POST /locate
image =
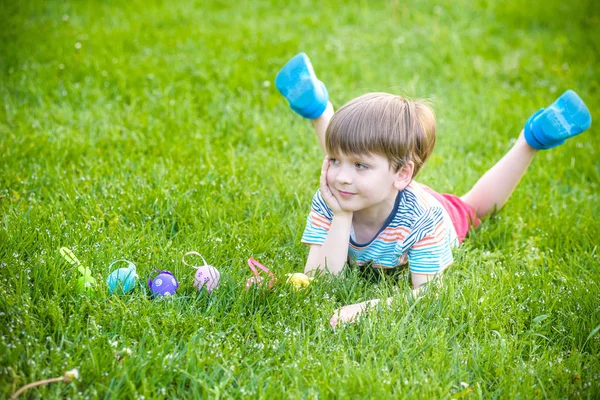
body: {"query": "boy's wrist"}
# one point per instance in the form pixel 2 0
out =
pixel 378 303
pixel 343 215
pixel 385 302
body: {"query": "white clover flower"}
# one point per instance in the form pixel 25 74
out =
pixel 71 375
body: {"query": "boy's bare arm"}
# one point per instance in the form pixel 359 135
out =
pixel 418 280
pixel 351 313
pixel 333 253
pixel 331 256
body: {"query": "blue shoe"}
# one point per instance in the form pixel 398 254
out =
pixel 298 83
pixel 568 116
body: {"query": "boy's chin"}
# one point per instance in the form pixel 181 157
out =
pixel 350 208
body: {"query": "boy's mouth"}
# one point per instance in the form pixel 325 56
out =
pixel 345 195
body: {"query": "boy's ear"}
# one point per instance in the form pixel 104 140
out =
pixel 404 175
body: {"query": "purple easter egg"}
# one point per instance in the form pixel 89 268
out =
pixel 163 284
pixel 207 277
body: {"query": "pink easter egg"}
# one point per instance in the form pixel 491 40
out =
pixel 255 280
pixel 259 281
pixel 207 277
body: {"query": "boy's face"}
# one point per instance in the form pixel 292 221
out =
pixel 360 182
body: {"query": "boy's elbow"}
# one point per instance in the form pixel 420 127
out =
pixel 312 271
pixel 312 264
pixel 309 271
pixel 311 268
pixel 318 263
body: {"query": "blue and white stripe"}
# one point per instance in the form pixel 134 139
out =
pixel 419 231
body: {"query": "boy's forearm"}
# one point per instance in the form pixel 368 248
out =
pixel 352 312
pixel 331 256
pixel 415 293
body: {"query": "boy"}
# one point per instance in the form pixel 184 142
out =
pixel 369 209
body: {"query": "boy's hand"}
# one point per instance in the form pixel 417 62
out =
pixel 350 313
pixel 326 193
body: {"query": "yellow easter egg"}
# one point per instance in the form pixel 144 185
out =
pixel 299 280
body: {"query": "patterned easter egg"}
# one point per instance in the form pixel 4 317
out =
pixel 207 277
pixel 259 281
pixel 255 280
pixel 163 284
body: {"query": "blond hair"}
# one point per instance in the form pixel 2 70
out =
pixel 399 129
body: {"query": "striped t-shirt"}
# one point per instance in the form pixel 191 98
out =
pixel 418 231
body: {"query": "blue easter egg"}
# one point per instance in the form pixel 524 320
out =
pixel 122 280
pixel 163 284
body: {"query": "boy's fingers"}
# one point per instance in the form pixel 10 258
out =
pixel 324 168
pixel 334 319
pixel 324 188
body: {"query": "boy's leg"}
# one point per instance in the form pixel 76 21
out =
pixel 307 95
pixel 568 116
pixel 494 188
pixel 320 124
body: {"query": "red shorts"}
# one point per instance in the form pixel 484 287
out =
pixel 462 215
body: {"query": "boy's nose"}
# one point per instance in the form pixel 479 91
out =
pixel 343 177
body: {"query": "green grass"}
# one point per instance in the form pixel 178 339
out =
pixel 143 130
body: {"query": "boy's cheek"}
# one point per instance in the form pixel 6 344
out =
pixel 330 177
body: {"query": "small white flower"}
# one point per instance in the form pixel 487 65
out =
pixel 71 375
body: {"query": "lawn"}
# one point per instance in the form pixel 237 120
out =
pixel 146 129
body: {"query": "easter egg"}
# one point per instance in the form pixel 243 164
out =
pixel 255 280
pixel 86 284
pixel 299 280
pixel 207 277
pixel 163 284
pixel 122 280
pixel 259 281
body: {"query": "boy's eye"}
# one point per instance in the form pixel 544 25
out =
pixel 334 160
pixel 360 166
